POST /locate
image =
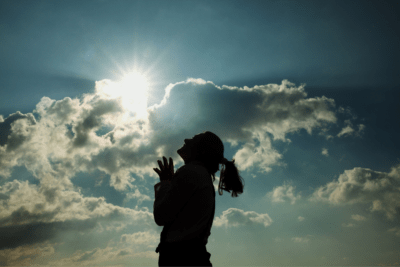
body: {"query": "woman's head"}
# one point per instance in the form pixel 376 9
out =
pixel 208 148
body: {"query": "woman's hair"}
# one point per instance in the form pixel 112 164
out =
pixel 210 151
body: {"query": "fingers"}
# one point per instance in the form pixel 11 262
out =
pixel 157 171
pixel 165 166
pixel 165 162
pixel 171 164
pixel 160 164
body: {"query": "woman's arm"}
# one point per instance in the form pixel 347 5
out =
pixel 172 196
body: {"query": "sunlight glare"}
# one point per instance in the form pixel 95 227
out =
pixel 133 89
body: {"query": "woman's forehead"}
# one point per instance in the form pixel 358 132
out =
pixel 197 136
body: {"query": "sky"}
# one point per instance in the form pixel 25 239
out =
pixel 303 94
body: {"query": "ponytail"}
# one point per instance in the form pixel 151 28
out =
pixel 230 179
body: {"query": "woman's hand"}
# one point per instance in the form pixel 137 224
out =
pixel 166 172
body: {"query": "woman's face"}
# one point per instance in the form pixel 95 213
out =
pixel 187 152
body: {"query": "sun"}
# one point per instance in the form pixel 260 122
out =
pixel 133 90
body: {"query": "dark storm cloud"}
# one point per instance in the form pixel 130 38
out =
pixel 19 235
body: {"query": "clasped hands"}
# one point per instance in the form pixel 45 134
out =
pixel 166 172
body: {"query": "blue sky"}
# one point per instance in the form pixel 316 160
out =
pixel 304 95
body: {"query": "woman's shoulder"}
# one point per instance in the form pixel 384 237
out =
pixel 194 174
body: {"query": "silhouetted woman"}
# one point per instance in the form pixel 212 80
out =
pixel 185 201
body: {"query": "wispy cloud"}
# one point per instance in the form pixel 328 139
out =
pixel 235 217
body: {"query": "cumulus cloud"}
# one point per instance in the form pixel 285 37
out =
pixel 265 110
pixel 283 193
pixel 61 138
pixel 38 213
pixel 137 195
pixel 362 185
pixel 300 219
pixel 233 217
pixel 97 133
pixel 325 152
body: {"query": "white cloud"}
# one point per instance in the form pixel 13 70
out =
pixel 300 219
pixel 348 225
pixel 300 240
pixel 283 193
pixel 273 109
pixel 348 130
pixel 357 217
pixel 361 185
pixel 325 152
pixel 64 137
pixel 140 238
pixel 137 195
pixel 95 133
pixel 233 217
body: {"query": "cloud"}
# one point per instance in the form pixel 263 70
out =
pixel 61 138
pixel 24 255
pixel 349 130
pixel 300 219
pixel 348 225
pixel 233 217
pixel 38 213
pixel 97 133
pixel 137 195
pixel 300 240
pixel 130 247
pixel 140 238
pixel 283 193
pixel 362 185
pixel 195 105
pixel 357 217
pixel 325 152
pixel 108 255
pixel 395 230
